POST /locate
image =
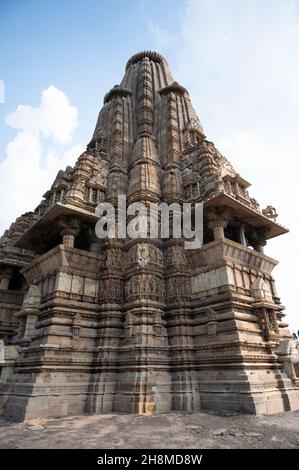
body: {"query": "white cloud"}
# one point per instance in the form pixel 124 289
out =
pixel 240 62
pixel 2 91
pixel 55 117
pixel 30 165
pixel 162 37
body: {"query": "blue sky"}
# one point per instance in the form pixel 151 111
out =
pixel 239 60
pixel 79 46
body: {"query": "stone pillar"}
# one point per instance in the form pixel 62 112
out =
pixel 260 246
pixel 237 188
pixel 5 277
pixel 90 194
pixel 258 238
pixel 217 221
pixel 264 323
pixel 218 229
pixel 268 323
pixel 61 195
pixel 95 243
pixel 69 229
pixel 95 246
pixel 242 235
pixel 68 239
pixel 273 319
pixel 4 283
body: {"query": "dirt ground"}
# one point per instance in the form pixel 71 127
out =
pixel 174 430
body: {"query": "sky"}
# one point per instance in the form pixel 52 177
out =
pixel 239 61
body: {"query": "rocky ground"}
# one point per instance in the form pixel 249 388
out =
pixel 175 430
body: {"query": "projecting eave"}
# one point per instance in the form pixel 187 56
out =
pixel 245 213
pixel 239 179
pixel 7 262
pixel 46 221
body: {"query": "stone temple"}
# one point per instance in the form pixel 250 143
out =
pixel 89 325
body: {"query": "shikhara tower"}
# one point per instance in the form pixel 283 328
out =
pixel 143 325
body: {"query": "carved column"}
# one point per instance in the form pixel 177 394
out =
pixel 242 235
pixel 185 394
pixel 68 238
pixel 4 282
pixel 5 277
pixel 69 228
pixel 260 246
pixel 104 380
pixel 95 243
pixel 145 336
pixel 264 323
pixel 217 221
pixel 258 238
pixel 268 322
pixel 273 320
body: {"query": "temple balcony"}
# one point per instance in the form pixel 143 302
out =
pixel 68 271
pixel 249 216
pixel 224 266
pixel 61 224
pixel 221 251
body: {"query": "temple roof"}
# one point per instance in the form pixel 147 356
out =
pixel 151 55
